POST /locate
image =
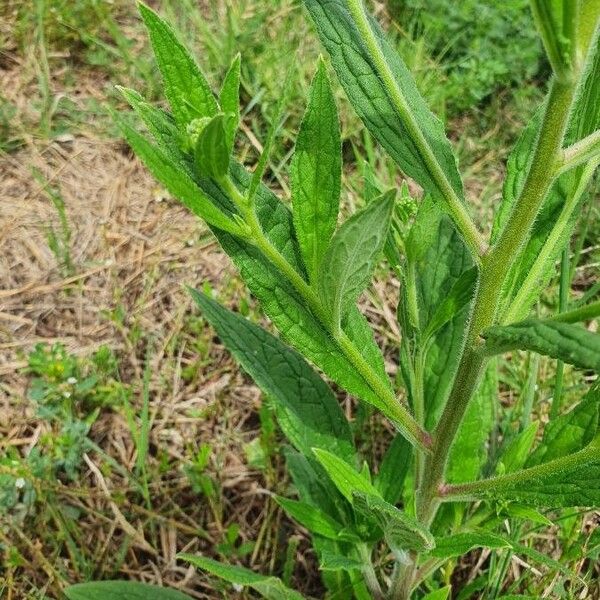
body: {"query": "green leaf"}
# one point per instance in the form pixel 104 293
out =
pixel 186 87
pixel 518 450
pixel 177 181
pixel 121 590
pixel 315 173
pixel 350 260
pixel 459 297
pixel 401 531
pixel 213 148
pixel 424 230
pixel 468 453
pixel 393 469
pixel 229 98
pixel 572 480
pixel 307 410
pixel 268 587
pixel 338 562
pixel 570 432
pixel 570 343
pixel 526 513
pixel 315 520
pixel 345 477
pixel 441 594
pixel 391 108
pixel 461 543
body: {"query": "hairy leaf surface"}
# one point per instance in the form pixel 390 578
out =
pixel 461 543
pixel 121 590
pixel 307 410
pixel 349 263
pixel 570 343
pixel 316 172
pixel 185 86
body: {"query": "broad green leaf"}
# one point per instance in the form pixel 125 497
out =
pixel 572 480
pixel 518 450
pixel 526 513
pixel 468 453
pixel 570 343
pixel 307 410
pixel 461 543
pixel 338 562
pixel 185 86
pixel 391 108
pixel 121 590
pixel 441 594
pixel 345 477
pixel 177 181
pixel 315 173
pixel 350 260
pixel 213 148
pixel 401 531
pixel 570 432
pixel 393 469
pixel 424 230
pixel 268 587
pixel 315 520
pixel 229 98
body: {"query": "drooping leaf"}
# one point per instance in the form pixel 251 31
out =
pixel 468 453
pixel 518 450
pixel 122 590
pixel 345 477
pixel 185 86
pixel 441 594
pixel 268 587
pixel 350 260
pixel 315 520
pixel 229 98
pixel 570 343
pixel 307 410
pixel 393 469
pixel 177 181
pixel 570 432
pixel 461 543
pixel 391 107
pixel 213 148
pixel 401 531
pixel 315 173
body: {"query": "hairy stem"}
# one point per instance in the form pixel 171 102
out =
pixel 405 422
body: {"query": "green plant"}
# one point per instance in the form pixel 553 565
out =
pixel 465 301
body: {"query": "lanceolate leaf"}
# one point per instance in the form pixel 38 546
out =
pixel 349 263
pixel 268 587
pixel 569 343
pixel 393 110
pixel 307 410
pixel 186 87
pixel 570 432
pixel 316 172
pixel 345 477
pixel 401 531
pixel 518 450
pixel 229 98
pixel 121 590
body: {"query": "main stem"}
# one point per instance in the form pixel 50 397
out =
pixel 494 270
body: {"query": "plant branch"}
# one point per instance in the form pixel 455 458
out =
pixel 456 207
pixel 402 418
pixel 475 489
pixel 535 274
pixel 581 152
